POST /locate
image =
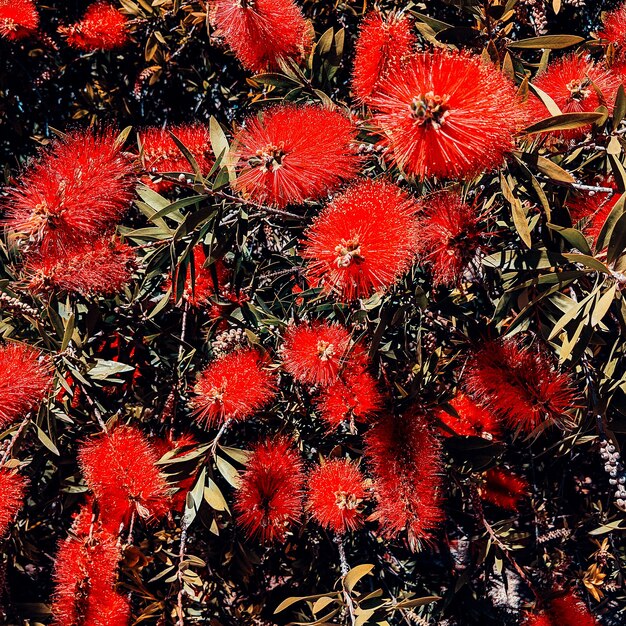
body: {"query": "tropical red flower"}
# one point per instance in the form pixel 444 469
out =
pixel 269 499
pixel 381 47
pixel 100 268
pixel 353 396
pixel 537 619
pixel 160 153
pixel 363 241
pixel 405 459
pixel 447 114
pixel 120 469
pixel 289 153
pixel 12 487
pixel 25 377
pixel 79 188
pixel 503 488
pixel 566 610
pixel 261 33
pixel 448 236
pixel 471 419
pixel 520 385
pixel 614 32
pixel 18 19
pixel 103 27
pixel 234 387
pixel 576 84
pixel 336 491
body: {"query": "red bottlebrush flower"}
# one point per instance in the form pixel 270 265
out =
pixel 12 487
pixel 261 33
pixel 577 85
pixel 336 491
pixel 269 499
pixel 537 619
pixel 363 241
pixel 315 353
pixel 72 195
pixel 233 387
pixel 405 459
pixel 503 488
pixel 101 268
pixel 18 19
pixel 593 210
pixel 519 384
pixel 160 154
pixel 448 236
pixel 614 33
pixel 120 469
pixel 103 27
pixel 290 153
pixel 569 610
pixel 25 378
pixel 354 396
pixel 381 47
pixel 472 420
pixel 447 114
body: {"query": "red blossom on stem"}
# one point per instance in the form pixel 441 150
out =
pixel 471 419
pixel 336 491
pixel 564 610
pixel 102 27
pixel 289 153
pixel 269 499
pixel 363 241
pixel 519 384
pixel 12 487
pixel 614 33
pixel 234 387
pixel 503 488
pixel 18 19
pixel 405 459
pixel 447 114
pixel 262 33
pixel 381 47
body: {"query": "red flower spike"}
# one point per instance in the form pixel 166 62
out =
pixel 405 459
pixel 381 47
pixel 614 32
pixel 473 420
pixel 520 385
pixel 160 153
pixel 291 153
pixel 233 387
pixel 363 241
pixel 262 33
pixel 120 469
pixel 269 499
pixel 448 236
pixel 12 487
pixel 577 85
pixel 336 491
pixel 25 378
pixel 72 195
pixel 569 610
pixel 100 268
pixel 18 19
pixel 354 396
pixel 447 114
pixel 537 619
pixel 103 27
pixel 503 488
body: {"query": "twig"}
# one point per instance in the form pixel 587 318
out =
pixel 220 432
pixel 181 557
pixel 345 568
pixel 14 439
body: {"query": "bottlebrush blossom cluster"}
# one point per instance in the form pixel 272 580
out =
pixel 12 487
pixel 25 379
pixel 566 610
pixel 288 154
pixel 592 210
pixel 336 491
pixel 503 488
pixel 161 155
pixel 363 241
pixel 233 387
pixel 447 114
pixel 471 419
pixel 449 235
pixel 18 19
pixel 262 33
pixel 576 84
pixel 614 33
pixel 382 46
pixel 102 27
pixel 520 385
pixel 72 195
pixel 120 469
pixel 269 499
pixel 405 460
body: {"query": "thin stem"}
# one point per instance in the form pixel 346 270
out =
pixel 14 439
pixel 220 432
pixel 345 568
pixel 181 587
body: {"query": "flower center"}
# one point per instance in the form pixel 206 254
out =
pixel 325 350
pixel 430 109
pixel 216 394
pixel 269 158
pixel 345 500
pixel 348 252
pixel 579 89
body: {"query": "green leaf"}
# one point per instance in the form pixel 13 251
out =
pixel 564 121
pixel 619 110
pixel 214 497
pixel 549 103
pixel 617 242
pixel 550 42
pixel 609 224
pixel 187 154
pixel 574 237
pixel 46 441
pixel 219 141
pixel 229 472
pixel 285 604
pixel 107 370
pixel 355 574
